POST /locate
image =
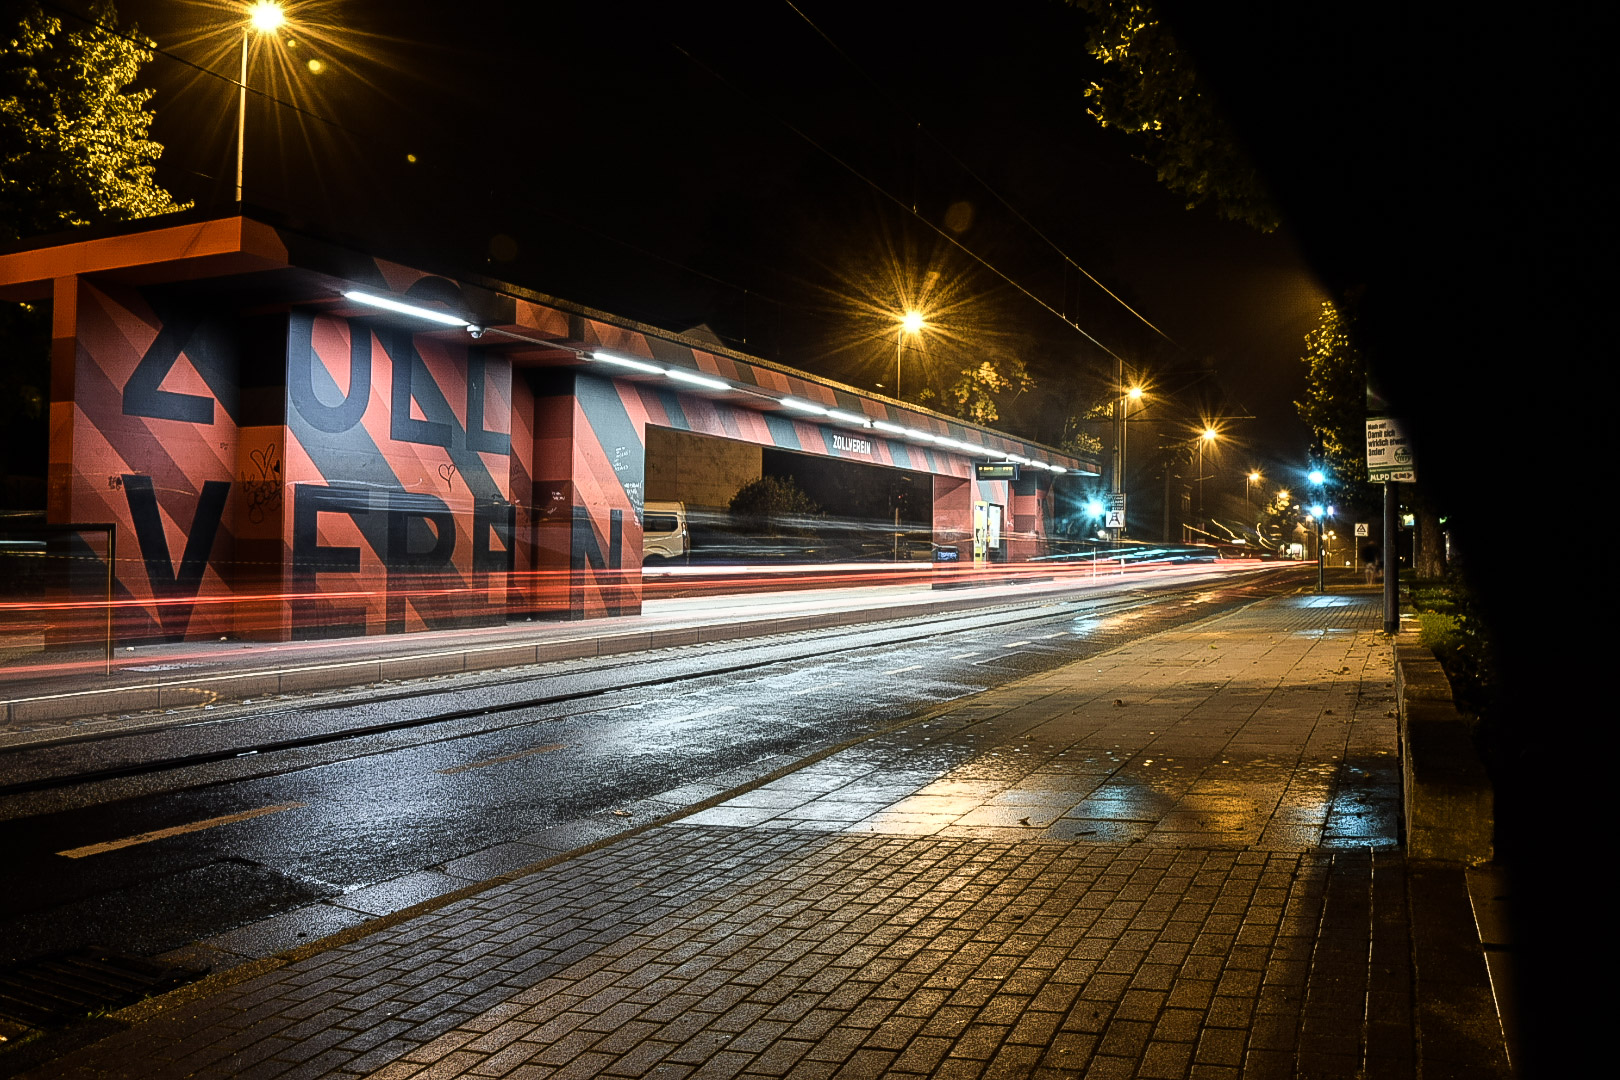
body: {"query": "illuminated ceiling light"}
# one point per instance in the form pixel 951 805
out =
pixel 801 405
pixel 848 418
pixel 400 307
pixel 627 362
pixel 1057 468
pixel 921 436
pixel 682 375
pixel 892 429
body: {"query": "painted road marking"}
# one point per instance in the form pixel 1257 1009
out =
pixel 964 655
pixel 503 757
pixel 159 834
pixel 898 670
pixel 1015 644
pixel 816 689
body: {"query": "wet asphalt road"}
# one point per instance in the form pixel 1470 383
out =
pixel 553 749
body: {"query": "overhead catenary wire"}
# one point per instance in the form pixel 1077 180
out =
pixel 908 208
pixel 956 159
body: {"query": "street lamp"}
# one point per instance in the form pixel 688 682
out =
pixel 1248 490
pixel 1204 440
pixel 1318 479
pixel 265 17
pixel 911 322
pixel 1129 395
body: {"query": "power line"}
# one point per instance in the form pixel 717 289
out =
pixel 985 184
pixel 903 205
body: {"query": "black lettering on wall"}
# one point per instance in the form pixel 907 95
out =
pixel 312 617
pixel 173 588
pixel 309 557
pixel 142 394
pixel 421 533
pixel 489 442
pixel 301 362
pixel 409 370
pixel 499 519
pixel 584 551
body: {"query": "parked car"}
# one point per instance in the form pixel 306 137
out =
pixel 665 536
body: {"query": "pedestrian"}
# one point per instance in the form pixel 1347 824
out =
pixel 1371 562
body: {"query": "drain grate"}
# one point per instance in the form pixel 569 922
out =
pixel 53 991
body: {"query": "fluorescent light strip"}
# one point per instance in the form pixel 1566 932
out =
pixel 848 418
pixel 920 436
pixel 627 362
pixel 801 405
pixel 892 429
pixel 402 308
pixel 708 383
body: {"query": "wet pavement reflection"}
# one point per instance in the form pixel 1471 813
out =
pixel 1249 731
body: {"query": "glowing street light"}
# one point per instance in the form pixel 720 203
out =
pixel 1207 438
pixel 912 322
pixel 1317 511
pixel 264 17
pixel 1254 478
pixel 1128 395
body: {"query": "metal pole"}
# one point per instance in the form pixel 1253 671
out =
pixel 1392 614
pixel 1319 586
pixel 241 116
pixel 899 344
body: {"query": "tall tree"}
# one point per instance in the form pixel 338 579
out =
pixel 1335 403
pixel 74 135
pixel 1335 408
pixel 74 151
pixel 1151 90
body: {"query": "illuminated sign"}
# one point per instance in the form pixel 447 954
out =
pixel 996 470
pixel 851 444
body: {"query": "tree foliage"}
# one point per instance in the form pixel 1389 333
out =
pixel 1335 403
pixel 774 506
pixel 73 136
pixel 980 390
pixel 1151 90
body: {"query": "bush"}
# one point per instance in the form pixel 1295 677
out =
pixel 774 506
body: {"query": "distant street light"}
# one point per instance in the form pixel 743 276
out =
pixel 1318 480
pixel 1204 440
pixel 912 322
pixel 264 17
pixel 1248 491
pixel 1128 395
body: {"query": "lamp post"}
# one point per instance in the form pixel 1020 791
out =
pixel 1248 490
pixel 264 17
pixel 1204 440
pixel 1127 395
pixel 1318 479
pixel 910 323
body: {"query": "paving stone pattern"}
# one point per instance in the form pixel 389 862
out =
pixel 1039 883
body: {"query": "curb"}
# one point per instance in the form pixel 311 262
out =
pixel 1449 804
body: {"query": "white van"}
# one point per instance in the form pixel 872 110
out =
pixel 664 535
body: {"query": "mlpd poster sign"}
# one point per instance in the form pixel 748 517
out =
pixel 1389 455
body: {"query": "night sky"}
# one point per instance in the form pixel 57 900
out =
pixel 755 169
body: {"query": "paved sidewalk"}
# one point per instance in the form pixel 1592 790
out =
pixel 1178 859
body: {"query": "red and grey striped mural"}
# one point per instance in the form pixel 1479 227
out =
pixel 281 464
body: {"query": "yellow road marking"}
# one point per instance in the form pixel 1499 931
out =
pixel 159 834
pixel 503 757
